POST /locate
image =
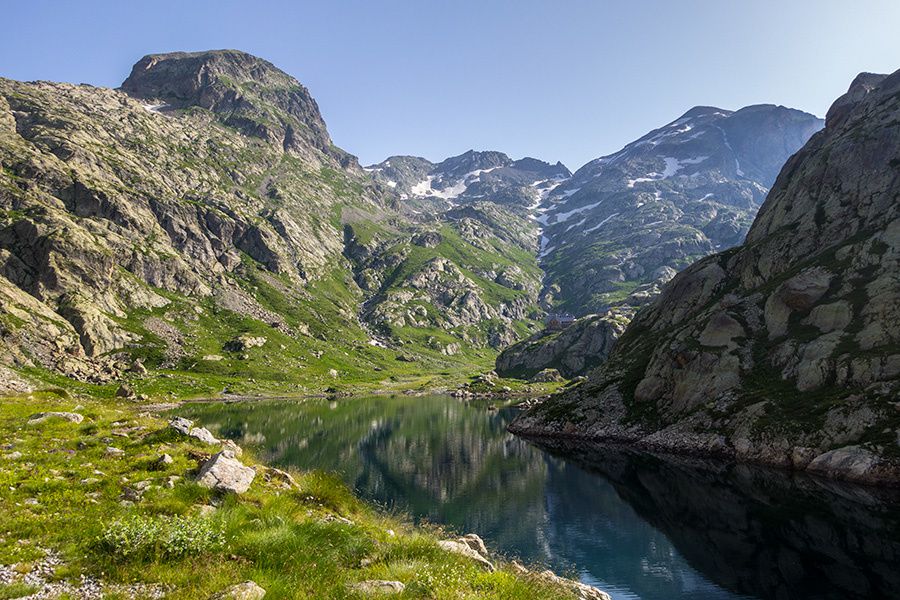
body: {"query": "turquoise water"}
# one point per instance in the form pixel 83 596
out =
pixel 634 525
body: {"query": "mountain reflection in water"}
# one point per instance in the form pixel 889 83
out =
pixel 636 525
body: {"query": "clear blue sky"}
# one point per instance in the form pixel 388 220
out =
pixel 556 79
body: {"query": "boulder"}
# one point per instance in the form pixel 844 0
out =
pixel 582 591
pixel 224 473
pixel 851 462
pixel 186 427
pixel 245 342
pixel 72 417
pixel 546 376
pixel 471 546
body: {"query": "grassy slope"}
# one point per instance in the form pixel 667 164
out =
pixel 287 540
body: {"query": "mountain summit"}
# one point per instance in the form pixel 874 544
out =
pixel 246 92
pixel 629 221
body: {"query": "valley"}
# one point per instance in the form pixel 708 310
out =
pixel 675 353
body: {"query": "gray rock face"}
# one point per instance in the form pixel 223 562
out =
pixel 681 192
pixel 786 347
pixel 224 473
pixel 247 92
pixel 573 351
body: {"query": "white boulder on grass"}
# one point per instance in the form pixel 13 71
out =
pixel 224 473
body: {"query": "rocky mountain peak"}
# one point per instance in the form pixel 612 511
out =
pixel 246 92
pixel 473 160
pixel 704 111
pixel 859 88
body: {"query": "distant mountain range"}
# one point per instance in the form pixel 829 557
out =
pixel 629 221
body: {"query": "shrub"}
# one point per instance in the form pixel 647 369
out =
pixel 140 537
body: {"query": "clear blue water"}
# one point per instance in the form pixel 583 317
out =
pixel 634 525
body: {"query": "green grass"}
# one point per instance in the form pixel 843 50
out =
pixel 16 590
pixel 65 494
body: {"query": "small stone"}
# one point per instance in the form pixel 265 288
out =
pixel 186 427
pixel 247 590
pixel 165 459
pixel 234 448
pixel 13 455
pixel 124 391
pixel 181 425
pixel 378 586
pixel 112 451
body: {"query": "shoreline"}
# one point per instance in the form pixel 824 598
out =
pixel 132 464
pixel 886 476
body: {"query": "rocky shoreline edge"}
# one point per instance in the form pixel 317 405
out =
pixel 851 463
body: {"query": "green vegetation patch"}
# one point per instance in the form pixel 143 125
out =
pixel 126 518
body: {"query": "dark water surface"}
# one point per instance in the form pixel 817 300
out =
pixel 635 525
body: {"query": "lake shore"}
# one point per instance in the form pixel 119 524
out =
pixel 88 480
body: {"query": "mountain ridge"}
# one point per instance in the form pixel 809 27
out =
pixel 782 350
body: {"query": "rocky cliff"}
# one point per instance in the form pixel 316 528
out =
pixel 785 350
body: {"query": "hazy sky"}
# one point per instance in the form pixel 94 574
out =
pixel 558 80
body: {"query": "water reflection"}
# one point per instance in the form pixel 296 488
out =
pixel 635 525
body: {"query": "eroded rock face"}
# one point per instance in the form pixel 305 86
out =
pixel 787 346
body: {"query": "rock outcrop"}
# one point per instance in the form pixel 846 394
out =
pixel 573 351
pixel 248 590
pixel 785 350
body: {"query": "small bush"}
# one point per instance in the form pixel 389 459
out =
pixel 139 537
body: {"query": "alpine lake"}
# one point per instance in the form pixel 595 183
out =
pixel 633 524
